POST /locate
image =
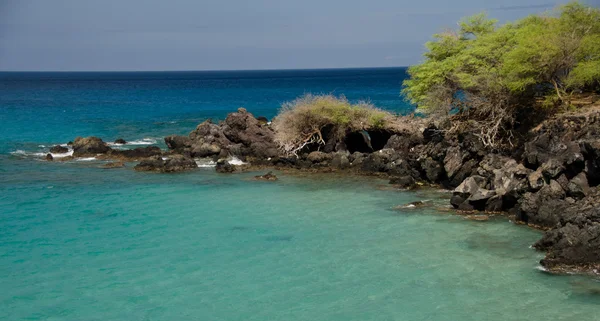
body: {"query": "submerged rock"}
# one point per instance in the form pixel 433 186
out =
pixel 49 157
pixel 414 204
pixel 480 218
pixel 406 182
pixel 175 163
pixel 120 141
pixel 266 177
pixel 113 165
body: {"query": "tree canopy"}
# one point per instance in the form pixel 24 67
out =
pixel 489 71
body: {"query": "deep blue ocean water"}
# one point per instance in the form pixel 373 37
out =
pixel 82 243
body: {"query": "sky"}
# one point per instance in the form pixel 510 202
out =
pixel 139 35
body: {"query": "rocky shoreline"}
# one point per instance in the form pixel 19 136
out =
pixel 548 180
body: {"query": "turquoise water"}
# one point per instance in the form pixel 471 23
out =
pixel 82 243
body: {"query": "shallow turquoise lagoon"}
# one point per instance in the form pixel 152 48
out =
pixel 82 243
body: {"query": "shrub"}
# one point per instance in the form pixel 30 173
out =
pixel 305 120
pixel 494 75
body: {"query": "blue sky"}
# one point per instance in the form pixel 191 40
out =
pixel 76 35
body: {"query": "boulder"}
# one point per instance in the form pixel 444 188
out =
pixel 262 121
pixel 176 142
pixel 178 163
pixel 242 128
pixel 341 147
pixel 284 161
pixel 403 142
pixel 494 204
pixel 223 166
pixel 510 179
pixel 206 129
pixel 552 168
pixel 453 161
pixel 205 150
pixel 571 245
pixel 120 141
pixel 136 153
pixel 340 160
pixel 557 153
pixel 433 134
pixel 576 239
pixel 263 149
pixel 434 171
pixel 376 162
pixel 536 180
pixel 552 191
pixel 543 208
pixel 318 157
pixel 49 157
pixel 175 163
pixel 591 152
pixel 578 187
pixel 241 135
pixel 89 146
pixel 472 194
pixel 460 200
pixel 471 185
pixel 467 169
pixel 399 167
pixel 563 181
pixel 481 194
pixel 492 162
pixel 356 159
pixel 59 149
pixel 472 144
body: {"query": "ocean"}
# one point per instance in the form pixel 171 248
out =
pixel 78 242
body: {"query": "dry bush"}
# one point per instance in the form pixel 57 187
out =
pixel 301 122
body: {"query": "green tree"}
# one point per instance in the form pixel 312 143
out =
pixel 489 73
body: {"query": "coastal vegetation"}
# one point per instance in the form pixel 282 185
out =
pixel 308 119
pixel 495 76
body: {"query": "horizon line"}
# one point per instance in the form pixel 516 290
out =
pixel 197 70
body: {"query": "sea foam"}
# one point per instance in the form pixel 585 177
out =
pixel 236 161
pixel 143 141
pixel 205 163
